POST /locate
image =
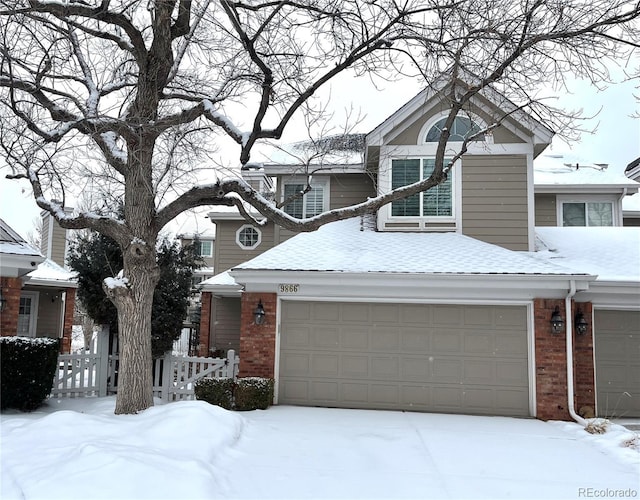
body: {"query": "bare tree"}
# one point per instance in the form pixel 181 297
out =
pixel 137 95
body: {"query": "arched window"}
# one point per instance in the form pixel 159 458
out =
pixel 463 127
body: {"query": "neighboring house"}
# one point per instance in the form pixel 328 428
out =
pixel 38 295
pixel 631 203
pixel 456 300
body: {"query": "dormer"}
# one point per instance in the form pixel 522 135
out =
pixel 489 192
pixel 572 192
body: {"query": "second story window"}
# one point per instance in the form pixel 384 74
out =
pixel 205 248
pixel 248 237
pixel 312 203
pixel 436 202
pixel 589 213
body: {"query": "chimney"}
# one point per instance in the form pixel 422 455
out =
pixel 54 242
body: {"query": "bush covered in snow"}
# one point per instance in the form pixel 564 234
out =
pixel 253 393
pixel 216 391
pixel 243 394
pixel 28 366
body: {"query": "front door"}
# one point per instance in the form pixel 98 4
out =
pixel 28 314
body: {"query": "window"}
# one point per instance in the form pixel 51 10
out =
pixel 436 202
pixel 248 237
pixel 590 213
pixel 463 127
pixel 205 249
pixel 311 204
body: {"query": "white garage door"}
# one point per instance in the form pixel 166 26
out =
pixel 617 352
pixel 441 358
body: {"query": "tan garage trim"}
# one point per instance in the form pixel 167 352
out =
pixel 428 357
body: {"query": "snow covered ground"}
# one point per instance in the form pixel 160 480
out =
pixel 77 449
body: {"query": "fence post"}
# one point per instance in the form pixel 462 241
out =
pixel 232 364
pixel 167 375
pixel 102 349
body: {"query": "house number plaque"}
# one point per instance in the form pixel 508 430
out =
pixel 289 288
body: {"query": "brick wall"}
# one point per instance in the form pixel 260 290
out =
pixel 205 324
pixel 9 317
pixel 551 363
pixel 258 342
pixel 65 342
pixel 583 361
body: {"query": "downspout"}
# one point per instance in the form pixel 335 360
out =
pixel 569 334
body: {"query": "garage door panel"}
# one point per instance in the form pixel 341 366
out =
pixel 617 355
pixel 355 338
pixel 355 366
pixel 444 342
pixel 296 364
pixel 447 370
pixel 446 358
pixel 414 340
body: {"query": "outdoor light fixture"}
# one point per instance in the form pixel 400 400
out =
pixel 581 323
pixel 3 302
pixel 259 314
pixel 557 322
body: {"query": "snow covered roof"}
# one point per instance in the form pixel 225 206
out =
pixel 14 244
pixel 611 253
pixel 339 151
pixel 222 284
pixel 562 170
pixel 49 273
pixel 343 247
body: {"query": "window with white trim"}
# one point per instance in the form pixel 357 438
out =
pixel 248 237
pixel 463 127
pixel 587 213
pixel 311 203
pixel 437 202
pixel 205 248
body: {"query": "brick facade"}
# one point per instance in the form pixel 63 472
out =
pixel 258 342
pixel 70 301
pixel 205 324
pixel 551 363
pixel 11 288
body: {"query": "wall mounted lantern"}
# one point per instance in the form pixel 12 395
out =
pixel 557 321
pixel 3 302
pixel 581 323
pixel 259 314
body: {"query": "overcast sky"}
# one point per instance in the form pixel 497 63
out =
pixel 616 140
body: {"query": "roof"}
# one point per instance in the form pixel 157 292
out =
pixel 612 253
pixel 49 273
pixel 558 171
pixel 346 247
pixel 221 284
pixel 12 243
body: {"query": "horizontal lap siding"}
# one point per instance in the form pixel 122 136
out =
pixel 494 200
pixel 225 324
pixel 228 253
pixel 546 214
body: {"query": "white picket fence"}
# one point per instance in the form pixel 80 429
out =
pixel 95 372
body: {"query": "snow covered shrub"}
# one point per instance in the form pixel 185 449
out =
pixel 253 393
pixel 633 443
pixel 243 394
pixel 216 391
pixel 597 426
pixel 28 366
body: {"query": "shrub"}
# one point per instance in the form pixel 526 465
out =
pixel 216 391
pixel 253 393
pixel 243 394
pixel 28 367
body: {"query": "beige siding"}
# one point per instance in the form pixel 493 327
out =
pixel 228 254
pixel 225 323
pixel 494 200
pixel 546 214
pixel 49 312
pixel 55 247
pixel 208 261
pixel 344 190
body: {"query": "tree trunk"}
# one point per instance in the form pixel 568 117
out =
pixel 135 382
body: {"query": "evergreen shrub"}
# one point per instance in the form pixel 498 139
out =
pixel 28 366
pixel 216 391
pixel 243 394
